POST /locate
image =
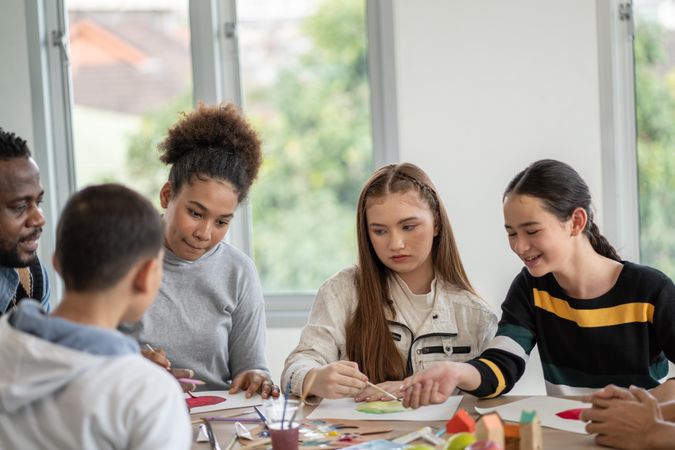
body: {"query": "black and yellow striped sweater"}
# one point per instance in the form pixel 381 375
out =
pixel 624 337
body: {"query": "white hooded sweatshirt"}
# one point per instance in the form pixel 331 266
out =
pixel 104 395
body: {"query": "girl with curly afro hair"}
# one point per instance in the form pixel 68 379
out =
pixel 209 315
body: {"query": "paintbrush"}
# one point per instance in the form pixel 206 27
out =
pixel 283 413
pixel 305 391
pixel 262 416
pixel 234 415
pixel 211 435
pixel 230 419
pixel 377 388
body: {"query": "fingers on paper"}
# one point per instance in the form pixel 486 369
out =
pixel 269 389
pixel 592 415
pixel 255 383
pixel 423 392
pixel 369 394
pixel 236 384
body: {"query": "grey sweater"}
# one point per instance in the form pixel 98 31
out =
pixel 209 316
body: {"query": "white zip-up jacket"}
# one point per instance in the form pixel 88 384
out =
pixel 459 328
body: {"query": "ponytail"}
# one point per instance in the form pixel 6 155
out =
pixel 600 243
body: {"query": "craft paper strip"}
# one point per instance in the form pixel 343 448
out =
pixel 547 408
pixel 345 408
pixel 232 401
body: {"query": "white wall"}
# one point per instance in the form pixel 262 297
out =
pixel 280 342
pixel 15 110
pixel 484 88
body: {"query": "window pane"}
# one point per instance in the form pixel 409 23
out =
pixel 131 73
pixel 305 87
pixel 655 107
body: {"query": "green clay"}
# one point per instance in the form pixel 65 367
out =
pixel 380 407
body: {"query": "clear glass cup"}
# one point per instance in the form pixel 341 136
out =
pixel 283 420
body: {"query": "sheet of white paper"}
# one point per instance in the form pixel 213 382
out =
pixel 546 408
pixel 232 401
pixel 345 408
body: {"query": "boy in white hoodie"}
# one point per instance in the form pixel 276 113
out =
pixel 71 380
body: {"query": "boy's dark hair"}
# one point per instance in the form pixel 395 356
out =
pixel 212 142
pixel 12 146
pixel 561 190
pixel 103 231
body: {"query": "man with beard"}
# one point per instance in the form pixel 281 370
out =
pixel 21 221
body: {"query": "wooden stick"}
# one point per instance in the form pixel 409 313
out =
pixel 211 435
pixel 307 387
pixel 233 441
pixel 305 392
pixel 377 388
pixel 262 442
pixel 231 414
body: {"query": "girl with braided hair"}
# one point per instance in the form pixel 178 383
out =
pixel 596 319
pixel 209 316
pixel 407 303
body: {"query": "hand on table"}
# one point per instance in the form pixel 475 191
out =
pixel 433 385
pixel 600 399
pixel 252 381
pixel 623 418
pixel 370 394
pixel 337 380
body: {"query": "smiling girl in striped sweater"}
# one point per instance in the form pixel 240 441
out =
pixel 597 320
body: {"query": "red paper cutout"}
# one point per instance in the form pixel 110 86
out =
pixel 206 400
pixel 570 414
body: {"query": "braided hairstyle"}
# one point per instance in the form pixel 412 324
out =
pixel 368 339
pixel 561 190
pixel 212 142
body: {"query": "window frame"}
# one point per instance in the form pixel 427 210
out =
pixel 49 73
pixel 616 78
pixel 216 78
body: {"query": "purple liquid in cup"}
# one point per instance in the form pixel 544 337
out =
pixel 286 438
